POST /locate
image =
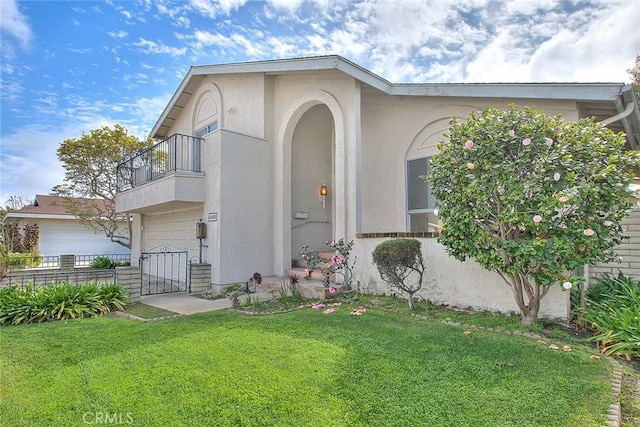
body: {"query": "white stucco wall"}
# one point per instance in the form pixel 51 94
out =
pixel 396 129
pixel 240 194
pixel 455 283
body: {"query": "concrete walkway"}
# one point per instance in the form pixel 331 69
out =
pixel 186 303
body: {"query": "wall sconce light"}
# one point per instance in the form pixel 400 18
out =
pixel 201 233
pixel 201 230
pixel 323 195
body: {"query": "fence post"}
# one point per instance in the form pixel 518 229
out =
pixel 67 262
pixel 200 277
pixel 130 279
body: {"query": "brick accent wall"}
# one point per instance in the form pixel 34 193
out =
pixel 200 277
pixel 67 262
pixel 130 278
pixel 628 252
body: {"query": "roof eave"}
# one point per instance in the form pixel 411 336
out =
pixel 568 91
pixel 320 63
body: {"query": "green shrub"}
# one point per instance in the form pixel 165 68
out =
pixel 613 311
pixel 396 260
pixel 289 294
pixel 103 263
pixel 233 292
pixel 28 259
pixel 4 260
pixel 58 302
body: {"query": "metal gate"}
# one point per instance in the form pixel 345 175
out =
pixel 164 270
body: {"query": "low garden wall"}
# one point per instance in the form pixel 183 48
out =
pixel 453 283
pixel 129 277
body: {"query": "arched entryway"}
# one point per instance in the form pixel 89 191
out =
pixel 312 166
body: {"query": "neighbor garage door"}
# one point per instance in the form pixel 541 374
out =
pixel 70 238
pixel 176 229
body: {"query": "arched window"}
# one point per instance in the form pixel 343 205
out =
pixel 206 117
pixel 421 205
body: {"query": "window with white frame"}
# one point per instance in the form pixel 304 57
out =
pixel 421 205
pixel 205 130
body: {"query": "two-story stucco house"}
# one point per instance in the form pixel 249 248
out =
pixel 247 147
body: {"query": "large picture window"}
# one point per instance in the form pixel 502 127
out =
pixel 421 205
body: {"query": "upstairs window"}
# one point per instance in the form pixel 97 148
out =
pixel 205 130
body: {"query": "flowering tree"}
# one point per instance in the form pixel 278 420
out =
pixel 338 265
pixel 531 197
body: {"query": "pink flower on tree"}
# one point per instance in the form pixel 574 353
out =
pixel 332 290
pixel 548 141
pixel 537 219
pixel 589 232
pixel 512 133
pixel 556 176
pixel 526 141
pixel 563 199
pixel 469 144
pixel 307 272
pixel 607 223
pixel 332 243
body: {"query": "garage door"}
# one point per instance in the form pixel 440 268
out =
pixel 176 229
pixel 71 238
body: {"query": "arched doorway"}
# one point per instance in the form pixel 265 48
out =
pixel 312 166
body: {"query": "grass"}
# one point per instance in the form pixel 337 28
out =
pixel 303 368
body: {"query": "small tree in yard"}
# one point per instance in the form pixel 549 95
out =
pixel 90 164
pixel 531 197
pixel 397 260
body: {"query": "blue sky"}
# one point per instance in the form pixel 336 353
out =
pixel 71 66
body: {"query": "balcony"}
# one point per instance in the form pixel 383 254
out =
pixel 169 173
pixel 174 154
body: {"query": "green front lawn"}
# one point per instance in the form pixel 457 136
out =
pixel 295 369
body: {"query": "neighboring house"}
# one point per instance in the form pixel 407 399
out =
pixel 247 148
pixel 60 233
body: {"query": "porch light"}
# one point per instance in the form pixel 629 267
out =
pixel 323 195
pixel 201 230
pixel 201 233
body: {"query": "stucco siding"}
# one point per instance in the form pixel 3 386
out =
pixel 239 104
pixel 394 130
pixel 458 284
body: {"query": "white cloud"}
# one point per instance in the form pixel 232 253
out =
pixel 213 8
pixel 14 23
pixel 29 162
pixel 118 34
pixel 149 46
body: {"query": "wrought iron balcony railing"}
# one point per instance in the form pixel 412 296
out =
pixel 176 153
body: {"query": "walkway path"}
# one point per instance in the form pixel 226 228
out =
pixel 185 303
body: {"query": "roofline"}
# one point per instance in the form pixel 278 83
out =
pixel 20 215
pixel 559 91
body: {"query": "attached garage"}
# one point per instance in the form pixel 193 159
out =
pixel 175 229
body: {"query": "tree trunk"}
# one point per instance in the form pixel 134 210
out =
pixel 528 309
pixel 529 316
pixel 411 306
